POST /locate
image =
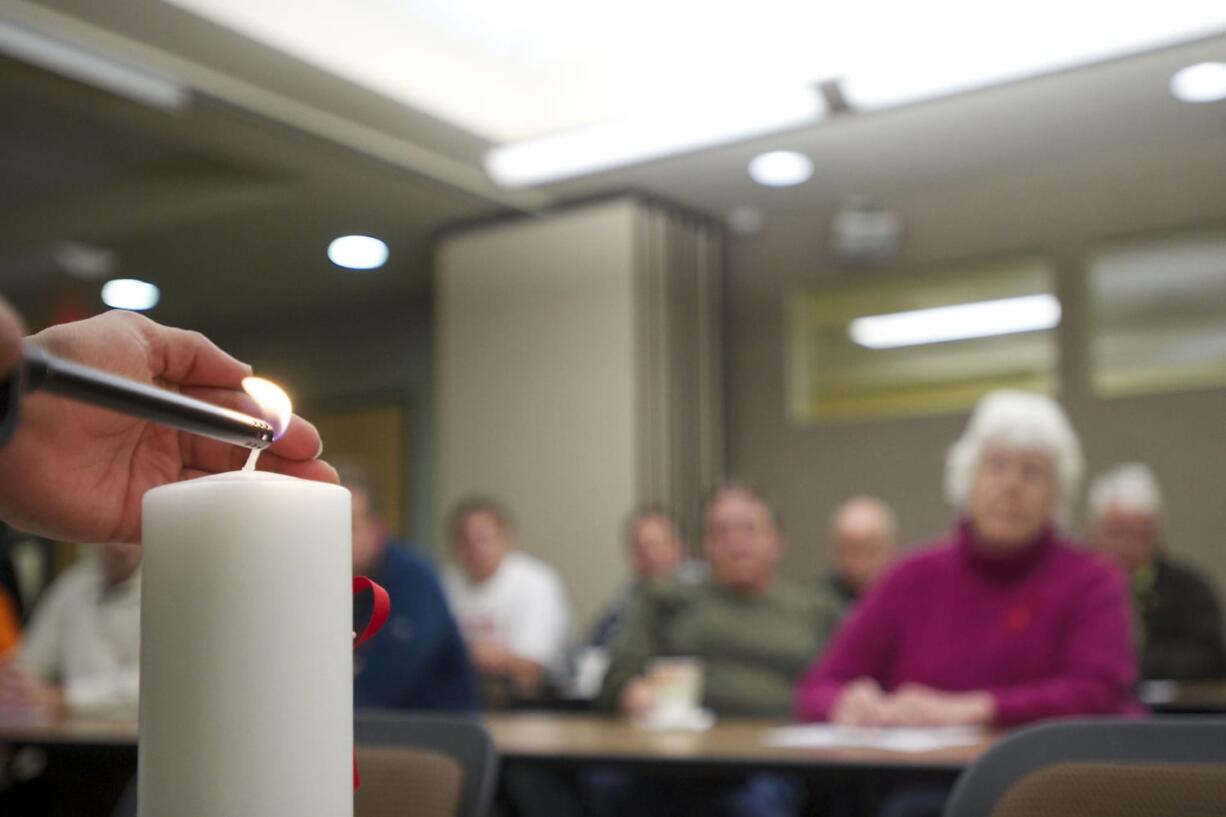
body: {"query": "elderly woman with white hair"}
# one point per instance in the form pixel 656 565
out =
pixel 1005 620
pixel 1180 621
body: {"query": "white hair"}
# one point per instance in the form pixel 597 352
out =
pixel 1023 421
pixel 1130 487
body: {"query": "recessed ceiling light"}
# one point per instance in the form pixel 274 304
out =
pixel 129 293
pixel 781 168
pixel 1204 82
pixel 358 252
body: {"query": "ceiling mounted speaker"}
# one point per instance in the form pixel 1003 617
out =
pixel 863 234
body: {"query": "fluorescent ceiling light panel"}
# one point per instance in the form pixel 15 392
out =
pixel 509 72
pixel 1006 316
pixel 983 44
pixel 681 128
pixel 136 84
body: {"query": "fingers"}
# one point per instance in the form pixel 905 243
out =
pixel 299 442
pixel 11 331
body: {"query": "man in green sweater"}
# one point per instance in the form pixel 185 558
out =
pixel 753 634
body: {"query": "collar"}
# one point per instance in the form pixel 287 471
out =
pixel 1002 566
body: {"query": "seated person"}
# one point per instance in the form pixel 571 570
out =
pixel 655 550
pixel 863 532
pixel 753 634
pixel 1004 621
pixel 81 653
pixel 418 660
pixel 1180 625
pixel 511 606
pixel 753 631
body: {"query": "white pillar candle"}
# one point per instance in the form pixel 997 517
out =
pixel 246 703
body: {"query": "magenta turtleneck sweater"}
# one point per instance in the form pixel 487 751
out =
pixel 1047 631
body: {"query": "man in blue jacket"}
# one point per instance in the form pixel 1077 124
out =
pixel 418 660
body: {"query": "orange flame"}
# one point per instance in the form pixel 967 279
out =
pixel 274 403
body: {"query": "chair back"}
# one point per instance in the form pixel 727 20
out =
pixel 423 766
pixel 1100 768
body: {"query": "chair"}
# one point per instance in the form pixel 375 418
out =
pixel 1162 767
pixel 423 766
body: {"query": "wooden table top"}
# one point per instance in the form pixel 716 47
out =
pixel 70 731
pixel 546 736
pixel 550 736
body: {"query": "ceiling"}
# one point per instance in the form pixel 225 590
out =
pixel 228 203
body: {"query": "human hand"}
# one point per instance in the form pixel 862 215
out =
pixel 23 694
pixel 490 657
pixel 78 473
pixel 922 706
pixel 860 703
pixel 637 698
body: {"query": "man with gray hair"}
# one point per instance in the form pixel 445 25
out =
pixel 864 534
pixel 1178 617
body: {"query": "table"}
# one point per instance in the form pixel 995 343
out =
pixel 556 742
pixel 68 732
pixel 567 738
pixel 580 739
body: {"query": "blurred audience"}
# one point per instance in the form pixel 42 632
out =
pixel 1005 621
pixel 1179 621
pixel 81 652
pixel 418 660
pixel 511 606
pixel 863 532
pixel 655 551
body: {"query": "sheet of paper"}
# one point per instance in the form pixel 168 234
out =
pixel 830 736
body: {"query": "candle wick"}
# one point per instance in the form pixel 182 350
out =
pixel 251 458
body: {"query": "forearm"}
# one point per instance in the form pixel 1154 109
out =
pixel 1057 697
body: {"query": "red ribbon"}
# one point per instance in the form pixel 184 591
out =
pixel 379 612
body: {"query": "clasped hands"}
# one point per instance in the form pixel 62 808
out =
pixel 864 703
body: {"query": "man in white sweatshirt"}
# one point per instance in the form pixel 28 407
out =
pixel 511 606
pixel 80 654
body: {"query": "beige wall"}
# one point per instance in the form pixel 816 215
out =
pixel 536 388
pixel 806 471
pixel 378 355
